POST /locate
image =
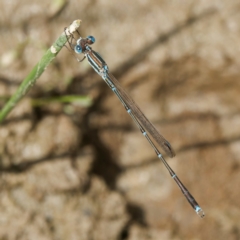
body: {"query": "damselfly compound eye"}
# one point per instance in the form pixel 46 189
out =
pixel 91 39
pixel 78 49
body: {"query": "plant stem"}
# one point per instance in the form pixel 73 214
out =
pixel 83 100
pixel 36 72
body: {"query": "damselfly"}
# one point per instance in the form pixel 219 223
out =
pixel 145 126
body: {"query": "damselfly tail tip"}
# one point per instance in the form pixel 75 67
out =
pixel 200 212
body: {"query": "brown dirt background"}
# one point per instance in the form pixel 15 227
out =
pixel 74 172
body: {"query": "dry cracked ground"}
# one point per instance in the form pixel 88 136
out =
pixel 81 170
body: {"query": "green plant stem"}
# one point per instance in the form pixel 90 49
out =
pixel 83 100
pixel 36 72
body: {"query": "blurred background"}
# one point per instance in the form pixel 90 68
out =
pixel 80 169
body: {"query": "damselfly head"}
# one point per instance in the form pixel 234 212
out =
pixel 82 44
